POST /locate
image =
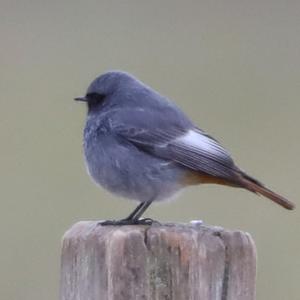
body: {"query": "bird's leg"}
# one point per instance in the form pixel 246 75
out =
pixel 141 209
pixel 134 217
pixel 135 211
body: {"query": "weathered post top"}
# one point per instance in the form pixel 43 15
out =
pixel 170 261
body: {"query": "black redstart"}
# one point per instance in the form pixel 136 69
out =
pixel 140 145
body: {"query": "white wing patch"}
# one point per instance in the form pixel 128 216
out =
pixel 200 142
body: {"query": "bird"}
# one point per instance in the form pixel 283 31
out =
pixel 140 145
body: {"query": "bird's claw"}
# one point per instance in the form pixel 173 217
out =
pixel 147 221
pixel 122 222
pixel 116 222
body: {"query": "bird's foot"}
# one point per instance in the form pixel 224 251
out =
pixel 122 222
pixel 147 221
pixel 117 222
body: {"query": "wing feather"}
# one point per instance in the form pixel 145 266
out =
pixel 174 140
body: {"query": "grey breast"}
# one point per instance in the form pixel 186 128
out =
pixel 120 167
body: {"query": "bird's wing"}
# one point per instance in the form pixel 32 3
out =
pixel 174 138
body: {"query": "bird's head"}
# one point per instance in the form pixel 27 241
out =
pixel 104 86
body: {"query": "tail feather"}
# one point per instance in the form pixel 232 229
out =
pixel 255 186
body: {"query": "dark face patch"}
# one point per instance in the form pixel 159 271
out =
pixel 94 100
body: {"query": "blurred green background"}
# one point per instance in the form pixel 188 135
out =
pixel 233 66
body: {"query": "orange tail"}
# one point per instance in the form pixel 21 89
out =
pixel 255 186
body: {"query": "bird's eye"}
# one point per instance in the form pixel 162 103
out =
pixel 95 98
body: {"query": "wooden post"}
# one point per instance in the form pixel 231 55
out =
pixel 170 262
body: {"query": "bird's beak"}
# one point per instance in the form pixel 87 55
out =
pixel 84 99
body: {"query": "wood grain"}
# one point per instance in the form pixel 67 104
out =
pixel 170 262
